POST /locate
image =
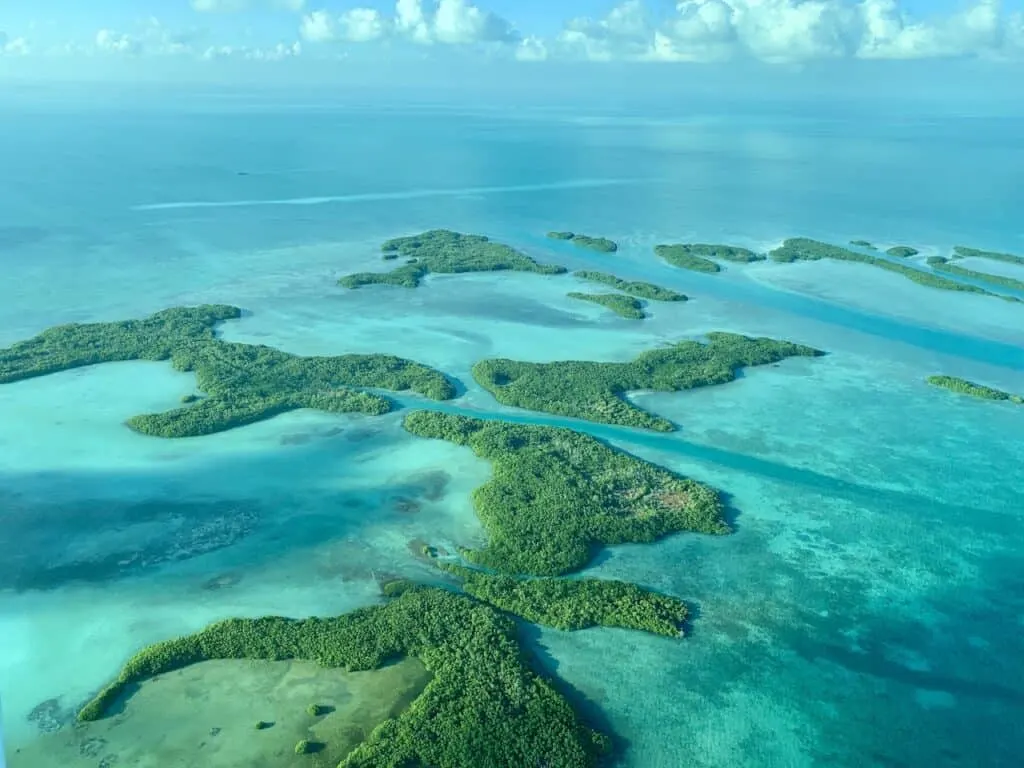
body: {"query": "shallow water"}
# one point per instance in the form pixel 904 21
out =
pixel 866 611
pixel 207 713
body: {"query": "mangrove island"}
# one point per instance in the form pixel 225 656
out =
pixel 945 265
pixel 623 306
pixel 241 383
pixel 805 249
pixel 594 391
pixel 698 256
pixel 902 251
pixel 484 706
pixel 573 604
pixel 965 387
pixel 557 496
pixel 636 288
pixel 443 251
pixel 600 244
pixel 963 252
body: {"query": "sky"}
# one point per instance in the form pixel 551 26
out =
pixel 218 39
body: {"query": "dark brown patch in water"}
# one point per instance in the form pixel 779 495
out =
pixel 434 484
pixel 406 506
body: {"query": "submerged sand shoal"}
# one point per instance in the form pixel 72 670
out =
pixel 206 714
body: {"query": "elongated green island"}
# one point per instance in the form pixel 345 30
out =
pixel 241 383
pixel 965 387
pixel 945 265
pixel 698 256
pixel 594 391
pixel 963 252
pixel 572 604
pixel 557 495
pixel 484 707
pixel 443 251
pixel 863 244
pixel 636 288
pixel 623 306
pixel 600 244
pixel 805 249
pixel 682 256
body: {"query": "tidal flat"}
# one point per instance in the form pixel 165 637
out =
pixel 882 580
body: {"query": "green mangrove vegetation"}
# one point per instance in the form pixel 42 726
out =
pixel 242 383
pixel 945 265
pixel 863 244
pixel 902 251
pixel 594 391
pixel 571 604
pixel 484 706
pixel 443 251
pixel 557 496
pixel 805 249
pixel 624 306
pixel 600 244
pixel 680 256
pixel 965 387
pixel 698 256
pixel 307 747
pixel 963 252
pixel 636 288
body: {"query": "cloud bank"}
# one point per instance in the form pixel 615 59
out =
pixel 445 22
pixel 687 31
pixel 778 31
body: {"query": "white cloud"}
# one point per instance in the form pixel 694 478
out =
pixel 458 22
pixel 318 27
pixel 218 6
pixel 362 25
pixel 358 25
pixel 17 46
pixel 233 6
pixel 625 33
pixel 152 38
pixel 109 41
pixel 532 49
pixel 451 22
pixel 278 52
pixel 791 30
pixel 411 21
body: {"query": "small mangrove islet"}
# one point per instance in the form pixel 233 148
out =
pixel 681 256
pixel 902 251
pixel 863 244
pixel 600 244
pixel 945 265
pixel 621 305
pixel 594 391
pixel 636 288
pixel 442 251
pixel 698 256
pixel 963 252
pixel 573 604
pixel 557 496
pixel 965 387
pixel 484 706
pixel 806 249
pixel 242 383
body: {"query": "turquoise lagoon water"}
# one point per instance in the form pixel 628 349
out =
pixel 869 607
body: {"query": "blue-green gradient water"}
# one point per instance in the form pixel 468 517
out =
pixel 867 611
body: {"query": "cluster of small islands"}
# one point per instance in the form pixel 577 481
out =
pixel 556 497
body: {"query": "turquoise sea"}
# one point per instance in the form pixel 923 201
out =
pixel 869 608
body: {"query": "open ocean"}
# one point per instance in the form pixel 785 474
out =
pixel 868 610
